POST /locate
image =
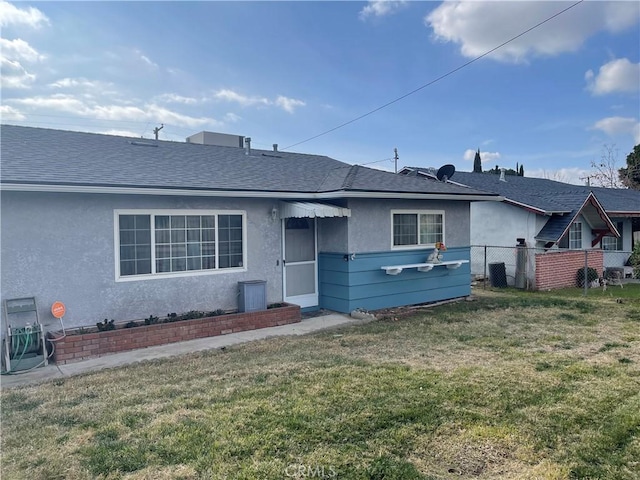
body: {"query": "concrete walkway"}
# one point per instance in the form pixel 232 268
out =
pixel 51 372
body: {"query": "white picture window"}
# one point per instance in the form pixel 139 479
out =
pixel 164 243
pixel 417 228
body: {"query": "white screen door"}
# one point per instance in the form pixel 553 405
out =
pixel 300 267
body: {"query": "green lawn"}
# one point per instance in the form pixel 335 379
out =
pixel 514 385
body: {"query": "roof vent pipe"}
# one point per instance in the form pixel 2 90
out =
pixel 247 146
pixel 275 147
pixel 502 179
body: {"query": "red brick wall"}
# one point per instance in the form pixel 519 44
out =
pixel 558 269
pixel 78 347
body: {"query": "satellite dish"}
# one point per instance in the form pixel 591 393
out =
pixel 445 172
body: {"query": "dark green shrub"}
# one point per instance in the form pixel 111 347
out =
pixel 592 276
pixel 634 260
pixel 106 325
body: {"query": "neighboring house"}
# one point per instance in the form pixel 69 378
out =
pixel 550 215
pixel 125 228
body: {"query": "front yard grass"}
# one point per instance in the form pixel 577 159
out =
pixel 513 385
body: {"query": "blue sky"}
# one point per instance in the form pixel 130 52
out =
pixel 283 72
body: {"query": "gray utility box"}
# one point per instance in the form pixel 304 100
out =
pixel 252 295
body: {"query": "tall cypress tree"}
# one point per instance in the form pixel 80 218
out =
pixel 521 171
pixel 477 163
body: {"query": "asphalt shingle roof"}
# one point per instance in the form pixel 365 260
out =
pixel 548 196
pixel 41 156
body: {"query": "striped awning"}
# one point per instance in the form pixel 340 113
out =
pixel 311 210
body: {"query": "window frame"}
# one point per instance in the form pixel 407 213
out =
pixel 152 213
pixel 417 212
pixel 619 247
pixel 575 227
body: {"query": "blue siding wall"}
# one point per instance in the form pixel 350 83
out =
pixel 361 283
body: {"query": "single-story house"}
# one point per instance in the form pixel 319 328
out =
pixel 550 215
pixel 123 228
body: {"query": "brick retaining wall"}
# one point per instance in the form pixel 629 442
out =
pixel 558 269
pixel 78 347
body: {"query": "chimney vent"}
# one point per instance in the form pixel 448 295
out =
pixel 275 147
pixel 502 178
pixel 247 146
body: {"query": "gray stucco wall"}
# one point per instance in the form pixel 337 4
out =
pixel 500 224
pixel 370 222
pixel 333 234
pixel 61 247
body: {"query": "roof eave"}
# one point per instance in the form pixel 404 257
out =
pixel 617 213
pixel 601 211
pixel 129 190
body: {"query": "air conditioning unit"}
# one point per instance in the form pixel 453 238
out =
pixel 252 295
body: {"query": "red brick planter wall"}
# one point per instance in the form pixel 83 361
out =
pixel 558 269
pixel 78 347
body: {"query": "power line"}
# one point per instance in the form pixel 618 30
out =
pixel 376 161
pixel 441 77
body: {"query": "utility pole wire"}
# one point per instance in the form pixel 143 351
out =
pixel 375 161
pixel 441 77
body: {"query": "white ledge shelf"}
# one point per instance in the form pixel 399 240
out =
pixel 423 267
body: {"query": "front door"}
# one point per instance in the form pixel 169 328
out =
pixel 300 274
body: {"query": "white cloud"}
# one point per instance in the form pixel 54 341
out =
pixel 486 157
pixel 481 26
pixel 286 103
pixel 232 117
pixel 18 49
pixel 121 133
pixel 12 15
pixel 245 101
pixel 150 112
pixel 13 55
pixel 80 82
pixel 289 104
pixel 146 60
pixel 574 176
pixel 14 75
pixel 618 75
pixel 59 102
pixel 613 126
pixel 175 98
pixel 381 8
pixel 15 115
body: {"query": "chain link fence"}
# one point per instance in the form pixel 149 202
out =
pixel 545 269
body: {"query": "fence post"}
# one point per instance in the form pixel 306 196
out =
pixel 586 270
pixel 484 283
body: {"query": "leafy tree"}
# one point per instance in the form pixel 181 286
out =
pixel 630 176
pixel 477 163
